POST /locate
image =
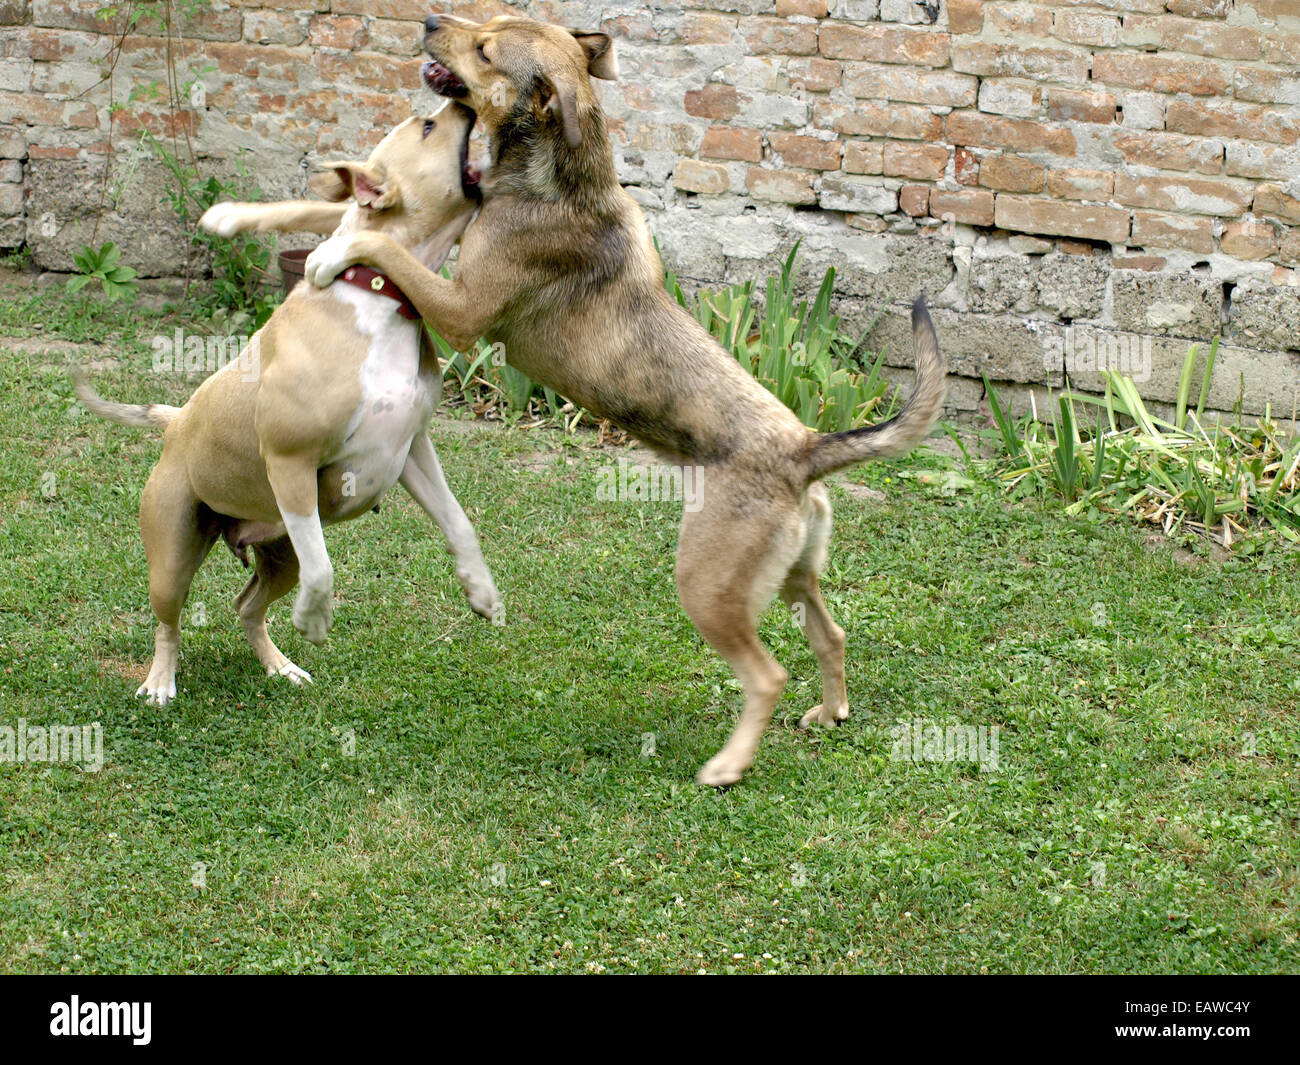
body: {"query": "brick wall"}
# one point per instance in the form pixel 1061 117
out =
pixel 1069 181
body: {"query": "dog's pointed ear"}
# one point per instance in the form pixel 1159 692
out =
pixel 562 100
pixel 601 60
pixel 366 185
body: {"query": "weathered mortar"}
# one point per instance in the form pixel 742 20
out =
pixel 1061 179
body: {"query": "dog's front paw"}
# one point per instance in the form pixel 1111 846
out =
pixel 482 595
pixel 157 691
pixel 312 615
pixel 329 259
pixel 223 219
pixel 294 674
pixel 720 771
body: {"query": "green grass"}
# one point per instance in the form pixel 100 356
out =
pixel 499 813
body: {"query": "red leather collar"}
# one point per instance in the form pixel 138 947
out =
pixel 374 281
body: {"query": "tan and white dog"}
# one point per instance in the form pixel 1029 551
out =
pixel 336 414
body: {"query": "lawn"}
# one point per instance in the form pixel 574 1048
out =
pixel 457 796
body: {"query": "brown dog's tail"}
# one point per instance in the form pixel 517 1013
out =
pixel 143 415
pixel 834 451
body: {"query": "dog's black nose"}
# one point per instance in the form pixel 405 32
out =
pixel 431 24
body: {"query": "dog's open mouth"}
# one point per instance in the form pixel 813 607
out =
pixel 442 81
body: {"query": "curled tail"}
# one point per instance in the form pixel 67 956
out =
pixel 834 451
pixel 144 415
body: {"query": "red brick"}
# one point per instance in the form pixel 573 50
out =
pixel 1160 73
pixel 1184 194
pixel 713 101
pixel 977 130
pixel 814 75
pixel 1266 86
pixel 965 16
pixel 1087 27
pixel 691 175
pixel 1010 60
pixel 252 60
pixel 811 8
pixel 1072 105
pixel 1004 20
pixel 706 28
pixel 885 43
pixel 972 207
pixel 780 186
pixel 1271 200
pixel 1149 263
pixel 1249 239
pixel 1227 118
pixel 407 10
pixel 1194 36
pixel 1011 173
pixel 966 167
pixel 726 142
pixel 914 200
pixel 1071 183
pixel 1270 161
pixel 940 88
pixel 371 70
pixel 1282 48
pixel 1200 8
pixel 1026 214
pixel 334 31
pixel 1290 250
pixel 864 157
pixel 806 152
pixel 1170 151
pixel 899 121
pixel 924 162
pixel 767 35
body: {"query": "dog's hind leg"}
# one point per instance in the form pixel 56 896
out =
pixel 422 477
pixel 274 577
pixel 731 558
pixel 175 545
pixel 802 595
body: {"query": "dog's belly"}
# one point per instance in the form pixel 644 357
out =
pixel 397 401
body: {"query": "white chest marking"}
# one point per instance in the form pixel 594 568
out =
pixel 396 399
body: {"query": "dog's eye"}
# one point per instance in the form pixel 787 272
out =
pixel 429 126
pixel 482 54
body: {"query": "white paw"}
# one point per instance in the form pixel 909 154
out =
pixel 482 594
pixel 819 715
pixel 329 259
pixel 223 219
pixel 720 771
pixel 157 692
pixel 293 674
pixel 312 613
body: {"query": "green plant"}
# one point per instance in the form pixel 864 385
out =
pixel 240 278
pixel 1236 483
pixel 796 349
pixel 101 265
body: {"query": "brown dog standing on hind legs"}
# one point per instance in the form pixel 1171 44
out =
pixel 329 411
pixel 559 267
